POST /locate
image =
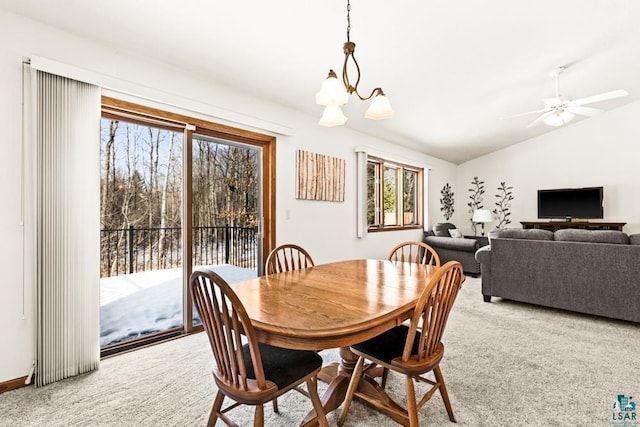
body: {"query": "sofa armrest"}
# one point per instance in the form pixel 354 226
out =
pixel 465 245
pixel 483 256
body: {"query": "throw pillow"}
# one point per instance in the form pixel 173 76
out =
pixel 442 229
pixel 455 233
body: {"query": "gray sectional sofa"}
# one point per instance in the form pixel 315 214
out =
pixel 588 271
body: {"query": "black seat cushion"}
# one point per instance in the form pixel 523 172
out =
pixel 283 366
pixel 388 345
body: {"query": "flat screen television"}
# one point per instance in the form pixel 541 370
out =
pixel 567 203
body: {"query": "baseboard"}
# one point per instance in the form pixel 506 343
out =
pixel 12 384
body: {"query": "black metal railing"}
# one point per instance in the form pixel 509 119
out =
pixel 131 250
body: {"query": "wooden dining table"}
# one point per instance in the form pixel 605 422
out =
pixel 333 305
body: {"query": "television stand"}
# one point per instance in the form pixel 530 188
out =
pixel 585 225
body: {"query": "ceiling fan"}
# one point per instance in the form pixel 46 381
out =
pixel 560 110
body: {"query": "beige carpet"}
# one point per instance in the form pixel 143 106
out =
pixel 506 364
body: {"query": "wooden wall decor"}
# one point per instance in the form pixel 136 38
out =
pixel 319 177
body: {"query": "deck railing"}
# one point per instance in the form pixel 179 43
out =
pixel 131 250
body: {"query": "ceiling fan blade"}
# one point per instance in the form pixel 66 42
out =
pixel 542 110
pixel 600 97
pixel 584 111
pixel 539 119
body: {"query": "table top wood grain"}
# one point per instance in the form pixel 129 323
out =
pixel 332 305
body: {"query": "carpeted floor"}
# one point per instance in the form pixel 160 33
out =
pixel 506 364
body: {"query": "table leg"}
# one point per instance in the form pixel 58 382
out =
pixel 338 375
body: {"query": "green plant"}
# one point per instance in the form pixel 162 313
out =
pixel 504 196
pixel 477 190
pixel 447 201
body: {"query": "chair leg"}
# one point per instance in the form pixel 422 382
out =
pixel 351 390
pixel 385 374
pixel 215 410
pixel 412 405
pixel 275 405
pixel 312 388
pixel 443 392
pixel 258 417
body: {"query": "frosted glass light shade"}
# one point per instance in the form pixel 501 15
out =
pixel 332 116
pixel 482 216
pixel 380 108
pixel 559 118
pixel 332 92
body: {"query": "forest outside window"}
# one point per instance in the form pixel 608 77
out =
pixel 394 195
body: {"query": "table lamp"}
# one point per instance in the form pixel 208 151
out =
pixel 482 216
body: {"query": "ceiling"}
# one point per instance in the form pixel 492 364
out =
pixel 455 71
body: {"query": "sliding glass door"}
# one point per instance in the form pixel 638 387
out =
pixel 174 197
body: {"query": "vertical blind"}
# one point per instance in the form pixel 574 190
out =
pixel 67 225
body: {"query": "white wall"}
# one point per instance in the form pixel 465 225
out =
pixel 327 229
pixel 600 151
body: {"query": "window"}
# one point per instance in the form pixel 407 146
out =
pixel 394 195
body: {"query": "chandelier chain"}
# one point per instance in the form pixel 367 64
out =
pixel 348 19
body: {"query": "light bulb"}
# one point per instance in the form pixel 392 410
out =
pixel 332 92
pixel 332 116
pixel 380 108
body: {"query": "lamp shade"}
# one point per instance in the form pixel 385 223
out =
pixel 559 118
pixel 332 116
pixel 482 216
pixel 332 92
pixel 380 108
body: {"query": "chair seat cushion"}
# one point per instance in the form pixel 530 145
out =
pixel 283 366
pixel 388 345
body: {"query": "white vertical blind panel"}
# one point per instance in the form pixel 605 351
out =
pixel 67 129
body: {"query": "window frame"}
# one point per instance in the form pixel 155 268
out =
pixel 381 164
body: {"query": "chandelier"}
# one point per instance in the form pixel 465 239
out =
pixel 334 94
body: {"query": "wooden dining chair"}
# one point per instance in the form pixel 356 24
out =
pixel 416 252
pixel 411 352
pixel 287 257
pixel 252 373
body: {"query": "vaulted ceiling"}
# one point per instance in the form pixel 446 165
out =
pixel 454 71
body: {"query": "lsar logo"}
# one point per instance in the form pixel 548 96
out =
pixel 624 412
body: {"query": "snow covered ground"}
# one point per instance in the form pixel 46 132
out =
pixel 134 305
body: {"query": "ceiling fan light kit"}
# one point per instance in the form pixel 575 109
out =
pixel 333 95
pixel 559 111
pixel 559 118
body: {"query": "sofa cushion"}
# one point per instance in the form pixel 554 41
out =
pixel 441 229
pixel 634 239
pixel 592 236
pixel 519 233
